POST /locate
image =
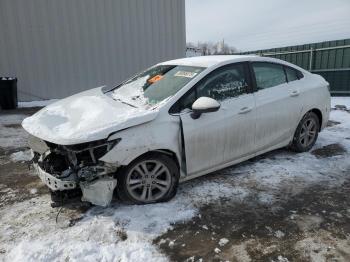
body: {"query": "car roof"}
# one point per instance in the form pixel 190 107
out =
pixel 215 60
pixel 207 61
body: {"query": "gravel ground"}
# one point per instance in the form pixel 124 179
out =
pixel 280 206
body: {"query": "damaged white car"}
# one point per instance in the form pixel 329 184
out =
pixel 175 121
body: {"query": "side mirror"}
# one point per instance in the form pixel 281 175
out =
pixel 204 105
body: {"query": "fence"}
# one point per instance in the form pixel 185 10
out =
pixel 330 59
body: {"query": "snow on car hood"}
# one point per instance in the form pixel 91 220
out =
pixel 84 117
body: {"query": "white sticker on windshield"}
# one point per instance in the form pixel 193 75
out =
pixel 186 74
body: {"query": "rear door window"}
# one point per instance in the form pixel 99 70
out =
pixel 268 74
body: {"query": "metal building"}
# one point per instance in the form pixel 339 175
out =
pixel 331 59
pixel 57 48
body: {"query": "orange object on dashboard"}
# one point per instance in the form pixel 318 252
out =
pixel 155 79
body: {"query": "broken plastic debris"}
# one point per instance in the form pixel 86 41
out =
pixel 99 192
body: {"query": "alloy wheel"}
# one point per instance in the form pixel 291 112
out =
pixel 308 132
pixel 148 181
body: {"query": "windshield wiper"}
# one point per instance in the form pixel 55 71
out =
pixel 126 103
pixel 107 89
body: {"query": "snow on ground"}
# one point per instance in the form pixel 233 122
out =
pixel 10 135
pixel 21 156
pixel 97 237
pixel 6 194
pixel 28 231
pixel 341 101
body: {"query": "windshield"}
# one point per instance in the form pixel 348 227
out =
pixel 155 84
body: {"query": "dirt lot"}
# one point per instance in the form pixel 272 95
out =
pixel 280 206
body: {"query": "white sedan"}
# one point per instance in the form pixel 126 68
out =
pixel 172 122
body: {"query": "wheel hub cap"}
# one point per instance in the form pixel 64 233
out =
pixel 148 181
pixel 308 132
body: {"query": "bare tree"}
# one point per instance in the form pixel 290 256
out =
pixel 228 50
pixel 206 47
pixel 210 48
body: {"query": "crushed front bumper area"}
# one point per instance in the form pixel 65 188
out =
pixel 98 192
pixel 76 170
pixel 52 182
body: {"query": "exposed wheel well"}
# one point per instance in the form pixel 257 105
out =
pixel 167 152
pixel 319 115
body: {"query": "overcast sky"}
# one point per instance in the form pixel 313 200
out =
pixel 259 24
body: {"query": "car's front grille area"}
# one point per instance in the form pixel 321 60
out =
pixel 54 164
pixel 83 154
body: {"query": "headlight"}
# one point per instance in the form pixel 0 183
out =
pixel 37 145
pixel 90 152
pixel 93 144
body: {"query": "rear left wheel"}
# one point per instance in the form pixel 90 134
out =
pixel 149 179
pixel 306 134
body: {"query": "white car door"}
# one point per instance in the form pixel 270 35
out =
pixel 219 137
pixel 277 105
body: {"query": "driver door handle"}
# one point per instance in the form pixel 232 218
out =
pixel 294 93
pixel 245 110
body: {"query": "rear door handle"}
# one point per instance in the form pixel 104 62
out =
pixel 245 110
pixel 294 93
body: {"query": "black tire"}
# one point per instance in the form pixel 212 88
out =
pixel 297 143
pixel 122 177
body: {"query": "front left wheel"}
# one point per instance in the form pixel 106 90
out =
pixel 148 179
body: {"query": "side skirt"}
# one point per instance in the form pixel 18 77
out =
pixel 239 160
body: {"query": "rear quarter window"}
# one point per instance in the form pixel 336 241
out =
pixel 293 74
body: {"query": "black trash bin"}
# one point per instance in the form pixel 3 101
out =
pixel 8 93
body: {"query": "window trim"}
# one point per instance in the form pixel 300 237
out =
pixel 174 108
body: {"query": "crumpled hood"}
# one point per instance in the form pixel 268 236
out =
pixel 84 117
